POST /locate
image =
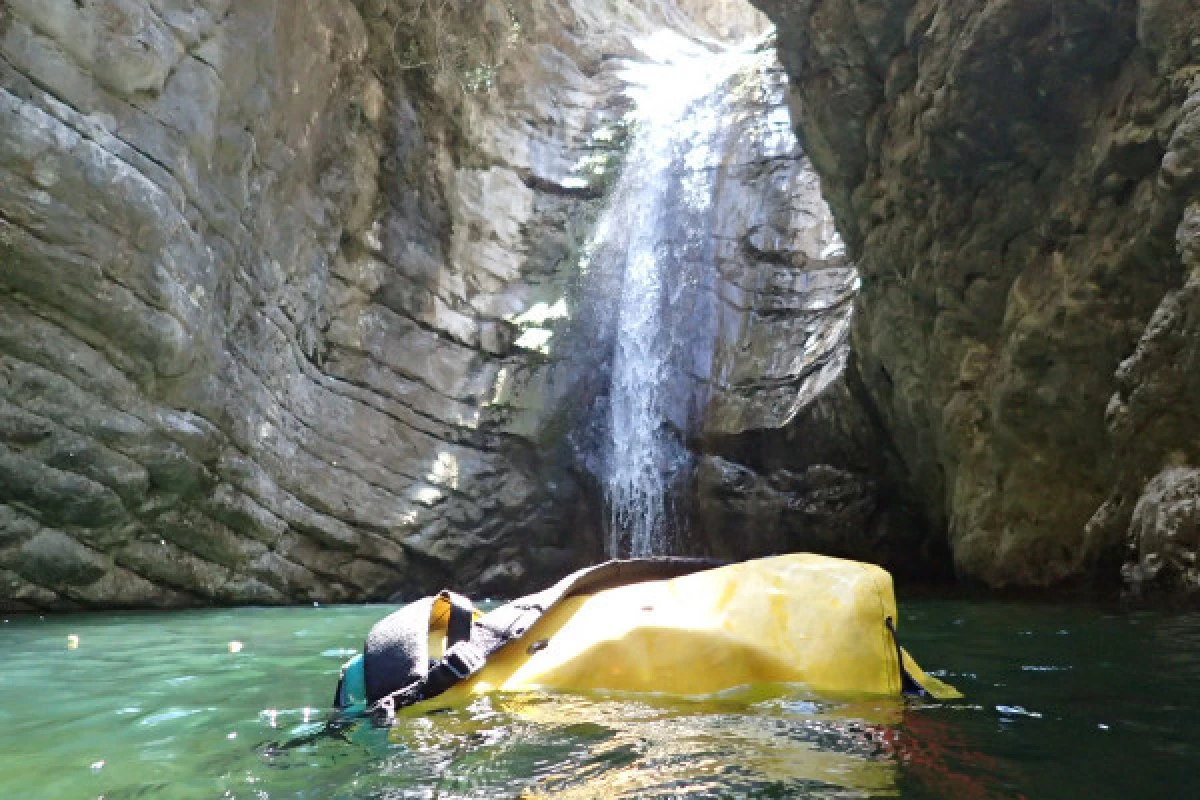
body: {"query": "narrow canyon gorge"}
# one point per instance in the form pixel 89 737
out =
pixel 342 300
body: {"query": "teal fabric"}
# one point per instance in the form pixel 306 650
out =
pixel 354 683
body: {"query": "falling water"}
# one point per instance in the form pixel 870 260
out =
pixel 657 228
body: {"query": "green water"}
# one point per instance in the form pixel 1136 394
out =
pixel 1060 702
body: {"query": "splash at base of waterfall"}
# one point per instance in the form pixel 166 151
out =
pixel 657 235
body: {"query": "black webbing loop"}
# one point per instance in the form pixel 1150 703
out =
pixel 461 661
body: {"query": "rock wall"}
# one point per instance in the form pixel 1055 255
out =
pixel 262 272
pixel 1018 184
pixel 731 20
pixel 790 456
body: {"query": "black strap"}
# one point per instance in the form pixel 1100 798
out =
pixel 466 655
pixel 908 684
pixel 338 700
pixel 462 614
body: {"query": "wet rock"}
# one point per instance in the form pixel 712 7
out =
pixel 1165 532
pixel 822 510
pixel 501 579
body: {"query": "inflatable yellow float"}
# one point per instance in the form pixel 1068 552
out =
pixel 670 626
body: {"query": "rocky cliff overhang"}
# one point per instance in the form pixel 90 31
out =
pixel 1018 182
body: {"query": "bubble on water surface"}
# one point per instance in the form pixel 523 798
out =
pixel 1018 711
pixel 340 652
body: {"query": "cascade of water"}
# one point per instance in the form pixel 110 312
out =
pixel 656 229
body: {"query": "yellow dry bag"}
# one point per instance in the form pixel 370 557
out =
pixel 674 626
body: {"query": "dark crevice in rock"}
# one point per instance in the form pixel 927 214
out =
pixel 541 184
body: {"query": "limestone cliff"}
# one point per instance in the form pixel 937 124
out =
pixel 789 455
pixel 262 268
pixel 1018 182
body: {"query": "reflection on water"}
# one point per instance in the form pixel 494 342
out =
pixel 1061 702
pixel 598 748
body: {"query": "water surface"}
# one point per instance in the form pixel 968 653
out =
pixel 1060 702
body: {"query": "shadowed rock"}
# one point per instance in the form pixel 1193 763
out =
pixel 1010 178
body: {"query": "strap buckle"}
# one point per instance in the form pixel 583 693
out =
pixel 386 708
pixel 463 661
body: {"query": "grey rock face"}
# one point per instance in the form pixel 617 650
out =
pixel 1166 534
pixel 818 509
pixel 1011 178
pixel 260 270
pixel 784 289
pixel 1152 421
pixel 729 19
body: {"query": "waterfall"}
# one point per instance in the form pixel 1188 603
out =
pixel 655 240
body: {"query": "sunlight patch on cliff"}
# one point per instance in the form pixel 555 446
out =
pixel 536 333
pixel 445 471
